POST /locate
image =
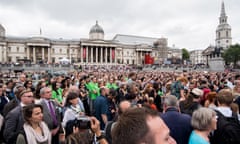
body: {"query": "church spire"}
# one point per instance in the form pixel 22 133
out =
pixel 223 16
pixel 223 10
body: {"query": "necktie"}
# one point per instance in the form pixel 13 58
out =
pixel 52 113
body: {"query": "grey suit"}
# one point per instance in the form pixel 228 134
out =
pixel 49 120
pixel 47 115
pixel 13 124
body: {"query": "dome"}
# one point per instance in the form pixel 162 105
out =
pixel 96 29
pixel 2 31
pixel 96 32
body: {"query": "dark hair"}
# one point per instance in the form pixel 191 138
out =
pixel 38 88
pixel 9 81
pixel 54 87
pixel 113 92
pixel 132 127
pixel 28 110
pixel 82 137
pixel 70 96
pixel 26 82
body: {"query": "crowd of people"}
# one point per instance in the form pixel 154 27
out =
pixel 121 107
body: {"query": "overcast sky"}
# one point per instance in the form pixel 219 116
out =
pixel 187 24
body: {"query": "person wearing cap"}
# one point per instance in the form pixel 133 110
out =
pixel 14 120
pixel 192 102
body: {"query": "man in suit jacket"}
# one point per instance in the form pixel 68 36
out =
pixel 51 118
pixel 178 123
pixel 14 120
pixel 15 101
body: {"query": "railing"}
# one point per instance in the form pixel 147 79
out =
pixel 34 67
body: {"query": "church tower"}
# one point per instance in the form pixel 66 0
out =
pixel 223 32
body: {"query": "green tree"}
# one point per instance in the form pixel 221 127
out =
pixel 232 54
pixel 185 54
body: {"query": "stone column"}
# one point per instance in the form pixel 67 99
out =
pixel 96 51
pixel 136 57
pixel 81 54
pixel 122 61
pixel 91 54
pixel 2 54
pixel 49 55
pixel 111 56
pixel 5 54
pixel 86 54
pixel 28 53
pixel 43 58
pixel 34 54
pixel 106 51
pixel 101 57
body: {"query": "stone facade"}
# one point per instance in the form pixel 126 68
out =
pixel 196 57
pixel 122 49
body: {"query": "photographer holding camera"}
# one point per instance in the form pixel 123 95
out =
pixel 84 130
pixel 73 108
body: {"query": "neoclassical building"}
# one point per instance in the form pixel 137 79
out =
pixel 196 57
pixel 95 50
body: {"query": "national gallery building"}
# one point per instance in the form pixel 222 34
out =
pixel 95 50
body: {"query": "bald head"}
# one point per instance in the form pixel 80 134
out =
pixel 123 106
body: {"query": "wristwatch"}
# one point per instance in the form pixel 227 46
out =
pixel 100 137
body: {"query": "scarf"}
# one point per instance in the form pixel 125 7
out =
pixel 76 109
pixel 33 137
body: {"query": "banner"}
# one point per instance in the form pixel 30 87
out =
pixel 148 59
pixel 113 54
pixel 84 52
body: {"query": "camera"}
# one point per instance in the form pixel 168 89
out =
pixel 82 122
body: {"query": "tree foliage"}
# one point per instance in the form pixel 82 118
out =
pixel 232 54
pixel 185 54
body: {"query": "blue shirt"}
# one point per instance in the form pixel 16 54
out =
pixel 101 107
pixel 197 139
pixel 179 125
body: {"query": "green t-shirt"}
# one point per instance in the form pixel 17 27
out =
pixel 112 86
pixel 57 95
pixel 91 86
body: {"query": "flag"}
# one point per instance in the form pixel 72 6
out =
pixel 40 31
pixel 84 52
pixel 113 53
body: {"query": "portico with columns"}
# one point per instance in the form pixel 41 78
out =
pixel 38 52
pixel 98 52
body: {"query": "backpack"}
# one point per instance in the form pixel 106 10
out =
pixel 22 133
pixel 108 131
pixel 228 130
pixel 175 89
